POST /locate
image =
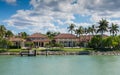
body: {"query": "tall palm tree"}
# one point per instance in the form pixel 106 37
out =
pixel 114 29
pixel 103 26
pixel 89 30
pixel 71 28
pixel 93 29
pixel 79 32
pixel 49 34
pixel 85 32
pixel 2 31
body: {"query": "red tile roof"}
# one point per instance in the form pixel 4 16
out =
pixel 16 39
pixel 86 38
pixel 65 36
pixel 45 40
pixel 37 35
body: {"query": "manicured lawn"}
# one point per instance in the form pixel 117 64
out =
pixel 2 50
pixel 38 49
pixel 76 49
pixel 14 50
pixel 52 49
pixel 66 49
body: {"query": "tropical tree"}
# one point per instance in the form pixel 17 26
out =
pixel 79 32
pixel 71 28
pixel 93 29
pixel 24 35
pixel 2 31
pixel 85 31
pixel 114 29
pixel 51 35
pixel 29 44
pixel 4 43
pixel 103 26
pixel 111 42
pixel 95 41
pixel 89 30
pixel 9 34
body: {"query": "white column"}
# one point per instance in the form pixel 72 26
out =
pixel 38 44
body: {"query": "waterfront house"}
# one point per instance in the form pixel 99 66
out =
pixel 68 40
pixel 38 39
pixel 17 41
pixel 84 39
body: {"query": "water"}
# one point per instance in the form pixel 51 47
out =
pixel 60 65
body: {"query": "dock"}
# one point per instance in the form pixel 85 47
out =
pixel 28 53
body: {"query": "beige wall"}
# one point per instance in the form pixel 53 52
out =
pixel 67 42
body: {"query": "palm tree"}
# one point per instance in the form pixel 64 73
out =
pixel 93 30
pixel 114 29
pixel 103 26
pixel 89 30
pixel 85 32
pixel 71 28
pixel 2 31
pixel 79 32
pixel 51 35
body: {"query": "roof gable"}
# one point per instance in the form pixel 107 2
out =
pixel 65 36
pixel 37 35
pixel 16 39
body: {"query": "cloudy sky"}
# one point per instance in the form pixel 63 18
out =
pixel 56 15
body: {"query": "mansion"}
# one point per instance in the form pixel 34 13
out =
pixel 40 40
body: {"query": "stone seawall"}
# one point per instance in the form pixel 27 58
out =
pixel 67 53
pixel 105 53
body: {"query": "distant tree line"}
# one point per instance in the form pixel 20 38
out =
pixel 98 41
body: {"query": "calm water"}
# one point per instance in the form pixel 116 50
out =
pixel 60 65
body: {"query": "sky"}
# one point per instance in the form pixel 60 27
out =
pixel 33 16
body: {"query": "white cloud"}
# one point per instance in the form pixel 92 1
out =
pixel 10 1
pixel 57 14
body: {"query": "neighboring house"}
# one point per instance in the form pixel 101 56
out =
pixel 84 39
pixel 38 39
pixel 87 38
pixel 17 41
pixel 68 40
